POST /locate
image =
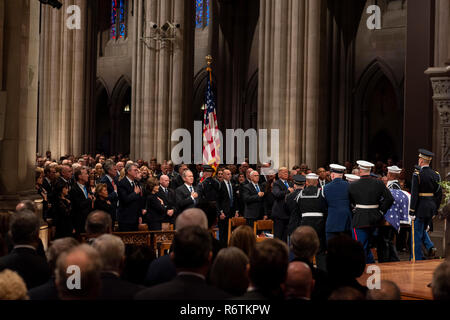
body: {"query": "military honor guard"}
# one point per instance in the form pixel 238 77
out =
pixel 371 200
pixel 351 177
pixel 392 176
pixel 426 197
pixel 313 211
pixel 339 218
pixel 292 205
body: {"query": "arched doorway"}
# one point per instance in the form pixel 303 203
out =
pixel 102 120
pixel 121 117
pixel 377 115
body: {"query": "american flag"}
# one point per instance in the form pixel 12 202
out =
pixel 211 138
pixel 399 211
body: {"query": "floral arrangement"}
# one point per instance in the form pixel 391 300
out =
pixel 445 185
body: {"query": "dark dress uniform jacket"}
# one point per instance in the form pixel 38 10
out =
pixel 426 193
pixel 339 214
pixel 254 205
pixel 294 211
pixel 130 203
pixel 369 191
pixel 280 191
pixel 209 190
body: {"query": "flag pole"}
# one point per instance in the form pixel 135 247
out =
pixel 209 61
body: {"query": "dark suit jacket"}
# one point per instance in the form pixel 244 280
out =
pixel 160 271
pixel 47 186
pixel 279 191
pixel 224 200
pixel 183 287
pixel 156 212
pixel 81 207
pixel 113 197
pixel 254 205
pixel 183 198
pixel 33 268
pixel 259 295
pixel 113 288
pixel 169 201
pixel 130 203
pixel 47 291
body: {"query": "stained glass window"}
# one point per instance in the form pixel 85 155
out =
pixel 201 13
pixel 118 19
pixel 113 19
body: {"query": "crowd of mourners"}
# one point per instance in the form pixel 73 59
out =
pixel 87 199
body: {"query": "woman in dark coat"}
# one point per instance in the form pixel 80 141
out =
pixel 63 212
pixel 156 210
pixel 101 201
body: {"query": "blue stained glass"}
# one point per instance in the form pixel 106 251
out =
pixel 122 28
pixel 199 13
pixel 113 18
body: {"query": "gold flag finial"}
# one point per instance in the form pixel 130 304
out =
pixel 209 60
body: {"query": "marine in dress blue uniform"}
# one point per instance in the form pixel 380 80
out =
pixel 426 197
pixel 371 200
pixel 339 218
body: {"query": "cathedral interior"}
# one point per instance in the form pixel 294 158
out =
pixel 133 71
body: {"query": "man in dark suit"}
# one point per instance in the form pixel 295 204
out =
pixel 253 197
pixel 49 178
pixel 112 253
pixel 111 184
pixel 177 180
pixel 48 291
pixel 280 215
pixel 168 197
pixel 24 259
pixel 268 270
pixel 227 207
pixel 186 194
pixel 131 208
pixel 81 199
pixel 192 253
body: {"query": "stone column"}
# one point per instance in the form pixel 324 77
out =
pixel 289 83
pixel 20 37
pixel 65 83
pixel 162 76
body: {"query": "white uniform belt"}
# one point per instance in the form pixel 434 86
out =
pixel 312 214
pixel 364 206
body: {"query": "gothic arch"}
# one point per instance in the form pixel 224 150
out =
pixel 101 116
pixel 121 118
pixel 377 77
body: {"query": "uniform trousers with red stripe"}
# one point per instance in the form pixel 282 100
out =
pixel 364 235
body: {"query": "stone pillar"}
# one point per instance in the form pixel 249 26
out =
pixel 289 86
pixel 162 76
pixel 440 81
pixel 18 100
pixel 66 84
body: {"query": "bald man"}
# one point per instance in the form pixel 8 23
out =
pixel 388 291
pixel 299 281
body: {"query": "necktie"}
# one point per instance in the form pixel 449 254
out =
pixel 257 188
pixel 85 192
pixel 286 184
pixel 230 191
pixel 190 189
pixel 112 183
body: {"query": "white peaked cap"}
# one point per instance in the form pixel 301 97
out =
pixel 352 177
pixel 365 165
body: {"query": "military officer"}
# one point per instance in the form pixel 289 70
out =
pixel 426 197
pixel 208 188
pixel 371 200
pixel 292 205
pixel 351 177
pixel 313 211
pixel 339 218
pixel 392 176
